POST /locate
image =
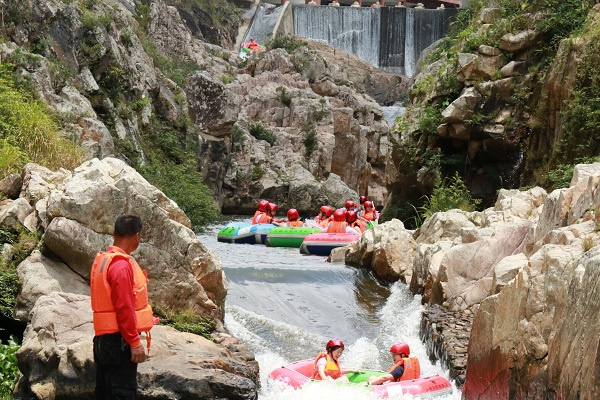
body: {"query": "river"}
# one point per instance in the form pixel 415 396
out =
pixel 285 306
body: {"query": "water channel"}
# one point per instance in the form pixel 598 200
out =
pixel 285 306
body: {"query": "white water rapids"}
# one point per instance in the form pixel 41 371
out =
pixel 285 306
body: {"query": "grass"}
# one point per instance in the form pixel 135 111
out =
pixel 29 132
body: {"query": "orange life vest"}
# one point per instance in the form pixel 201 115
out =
pixel 337 227
pixel 264 218
pixel 358 226
pixel 257 217
pixel 295 224
pixel 332 367
pixel 368 215
pixel 412 369
pixel 105 317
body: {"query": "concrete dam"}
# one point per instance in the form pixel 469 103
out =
pixel 390 38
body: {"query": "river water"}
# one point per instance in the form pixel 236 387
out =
pixel 285 306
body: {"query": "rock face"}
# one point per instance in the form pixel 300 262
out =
pixel 494 110
pixel 136 73
pixel 57 362
pixel 523 272
pixel 75 212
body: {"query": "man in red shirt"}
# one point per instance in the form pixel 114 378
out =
pixel 119 317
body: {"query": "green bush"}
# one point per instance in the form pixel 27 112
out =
pixel 447 195
pixel 29 132
pixel 310 140
pixel 261 132
pixel 560 177
pixel 185 185
pixel 284 95
pixel 285 42
pixel 9 371
pixel 186 321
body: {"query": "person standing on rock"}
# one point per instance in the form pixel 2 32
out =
pixel 118 288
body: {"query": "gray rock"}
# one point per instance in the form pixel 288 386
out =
pixel 10 186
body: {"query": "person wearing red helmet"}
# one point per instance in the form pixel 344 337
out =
pixel 293 218
pixel 353 222
pixel 404 368
pixel 339 224
pixel 327 365
pixel 369 214
pixel 262 209
pixel 349 205
pixel 323 218
pixel 269 216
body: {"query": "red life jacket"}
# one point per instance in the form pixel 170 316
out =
pixel 412 369
pixel 294 224
pixel 337 227
pixel 257 216
pixel 332 368
pixel 105 317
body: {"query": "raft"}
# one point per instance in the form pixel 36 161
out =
pixel 322 243
pixel 299 373
pixel 284 236
pixel 244 233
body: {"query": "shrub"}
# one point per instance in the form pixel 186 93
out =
pixel 284 95
pixel 186 321
pixel 29 133
pixel 285 42
pixel 259 131
pixel 9 370
pixel 310 140
pixel 185 185
pixel 449 194
pixel 257 172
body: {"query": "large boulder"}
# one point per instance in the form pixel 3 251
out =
pixel 388 249
pixel 56 359
pixel 184 274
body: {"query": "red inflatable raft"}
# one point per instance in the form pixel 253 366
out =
pixel 322 243
pixel 298 374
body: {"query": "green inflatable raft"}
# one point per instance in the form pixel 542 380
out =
pixel 284 236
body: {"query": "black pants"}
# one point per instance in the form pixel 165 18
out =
pixel 116 374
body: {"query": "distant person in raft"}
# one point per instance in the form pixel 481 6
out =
pixel 404 368
pixel 325 212
pixel 354 223
pixel 269 216
pixel 339 224
pixel 293 220
pixel 262 210
pixel 369 214
pixel 327 365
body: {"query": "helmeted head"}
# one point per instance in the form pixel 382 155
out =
pixel 326 210
pixel 362 199
pixel 339 215
pixel 351 216
pixel 349 205
pixel 368 204
pixel 293 214
pixel 262 205
pixel 334 344
pixel 272 207
pixel 400 348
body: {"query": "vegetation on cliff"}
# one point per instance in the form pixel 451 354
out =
pixel 29 131
pixel 495 142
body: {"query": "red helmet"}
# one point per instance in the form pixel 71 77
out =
pixel 262 205
pixel 351 216
pixel 272 207
pixel 349 204
pixel 400 348
pixel 368 204
pixel 327 210
pixel 362 199
pixel 334 343
pixel 339 215
pixel 293 214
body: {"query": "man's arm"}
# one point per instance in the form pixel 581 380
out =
pixel 120 279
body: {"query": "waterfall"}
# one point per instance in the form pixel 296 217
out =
pixel 354 30
pixel 263 23
pixel 389 38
